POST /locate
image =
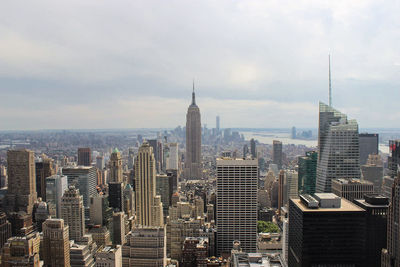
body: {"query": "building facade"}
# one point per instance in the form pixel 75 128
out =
pixel 73 213
pixel 308 172
pixel 55 243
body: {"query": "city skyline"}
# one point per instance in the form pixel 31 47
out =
pixel 268 60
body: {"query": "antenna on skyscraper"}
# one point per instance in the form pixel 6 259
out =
pixel 330 85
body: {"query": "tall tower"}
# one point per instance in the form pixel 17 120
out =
pixel 145 187
pixel 84 156
pixel 21 193
pixel 116 166
pixel 193 141
pixel 277 153
pixel 44 169
pixel 55 243
pixel 217 123
pixel 338 148
pixel 72 211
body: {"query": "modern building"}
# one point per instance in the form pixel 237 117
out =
pixel 292 188
pixel 193 169
pixel 83 178
pixel 116 166
pixel 55 247
pixel 277 153
pixel 281 190
pixel 55 188
pixel 21 251
pixel 173 163
pixel 369 144
pixel 393 162
pixel 376 207
pixel 391 255
pixel 158 152
pixel 307 172
pixel 237 181
pixel 100 164
pixel 131 158
pixel 84 156
pixel 146 246
pixel 109 257
pixel 21 192
pixel 145 188
pixel 44 169
pixel 338 148
pixel 165 190
pixel 253 148
pixel 73 213
pixel 116 195
pixel 100 211
pixel 326 231
pixel 217 123
pixel 351 189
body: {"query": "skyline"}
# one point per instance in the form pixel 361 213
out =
pixel 257 64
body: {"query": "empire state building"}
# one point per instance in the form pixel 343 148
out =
pixel 193 141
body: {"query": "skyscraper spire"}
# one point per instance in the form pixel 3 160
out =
pixel 193 96
pixel 330 85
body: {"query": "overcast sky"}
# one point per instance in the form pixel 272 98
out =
pixel 130 64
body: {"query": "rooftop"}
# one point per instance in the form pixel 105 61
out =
pixel 346 206
pixel 351 181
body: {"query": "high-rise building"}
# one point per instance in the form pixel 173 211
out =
pixel 369 144
pixel 109 257
pixel 253 148
pixel 217 125
pixel 44 169
pixel 237 203
pixel 55 188
pixel 3 176
pixel 21 251
pixel 100 162
pixel 157 151
pixel 393 162
pixel 308 172
pixel 146 246
pixel 193 169
pixel 173 163
pixel 277 153
pixel 294 134
pixel 391 255
pixel 195 252
pixel 164 189
pixel 145 187
pixel 373 172
pixel 338 148
pixel 281 190
pixel 84 156
pixel 118 232
pixel 116 195
pixel 21 192
pixel 131 158
pixel 80 255
pixel 351 189
pixel 55 243
pixel 116 166
pixel 100 211
pixel 326 231
pixel 85 179
pixel 292 188
pixel 72 211
pixel 376 207
pixel 5 229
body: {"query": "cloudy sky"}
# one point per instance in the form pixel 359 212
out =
pixel 130 64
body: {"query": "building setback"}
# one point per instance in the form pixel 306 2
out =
pixel 352 189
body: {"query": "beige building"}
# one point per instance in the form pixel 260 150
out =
pixel 193 168
pixel 73 213
pixel 109 257
pixel 148 206
pixel 21 251
pixel 55 243
pixel 21 193
pixel 116 167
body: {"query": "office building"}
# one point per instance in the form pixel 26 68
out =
pixel 393 162
pixel 277 153
pixel 338 154
pixel 158 152
pixel 281 190
pixel 116 166
pixel 237 203
pixel 72 211
pixel 5 229
pixel 164 188
pixel 100 164
pixel 146 246
pixel 173 163
pixel 376 207
pixel 116 195
pixel 253 148
pixel 242 259
pixel 3 176
pixel 80 255
pixel 109 257
pixel 145 188
pixel 369 145
pixel 193 169
pixel 292 189
pixel 100 211
pixel 118 232
pixel 55 188
pixel 21 251
pixel 131 158
pixel 55 243
pixel 307 172
pixel 83 178
pixel 84 156
pixel 195 252
pixel 21 192
pixel 326 231
pixel 217 124
pixel 373 172
pixel 44 169
pixel 351 189
pixel 391 255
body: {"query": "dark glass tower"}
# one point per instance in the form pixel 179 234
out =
pixel 308 172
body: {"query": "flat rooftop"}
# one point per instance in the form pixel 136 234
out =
pixel 346 206
pixel 351 181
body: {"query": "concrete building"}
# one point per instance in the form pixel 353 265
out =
pixel 109 257
pixel 193 168
pixel 21 192
pixel 145 188
pixel 84 156
pixel 116 166
pixel 21 251
pixel 173 163
pixel 55 243
pixel 118 232
pixel 277 153
pixel 351 189
pixel 55 188
pixel 393 163
pixel 100 212
pixel 369 145
pixel 253 148
pixel 72 211
pixel 100 164
pixel 5 229
pixel 373 172
pixel 80 255
pixel 164 189
pixel 44 169
pixel 338 148
pixel 195 252
pixel 292 179
pixel 146 246
pixel 242 259
pixel 326 231
pixel 237 203
pixel 100 235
